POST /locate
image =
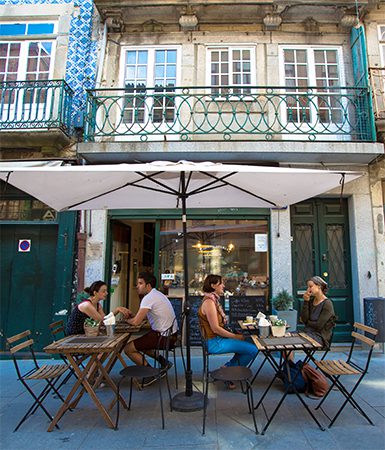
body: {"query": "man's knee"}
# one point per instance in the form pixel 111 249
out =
pixel 130 348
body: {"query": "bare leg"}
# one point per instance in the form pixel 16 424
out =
pixel 135 356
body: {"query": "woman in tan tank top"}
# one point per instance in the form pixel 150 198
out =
pixel 212 320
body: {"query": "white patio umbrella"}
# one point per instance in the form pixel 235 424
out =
pixel 163 185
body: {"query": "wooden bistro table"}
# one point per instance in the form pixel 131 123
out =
pixel 284 345
pixel 103 352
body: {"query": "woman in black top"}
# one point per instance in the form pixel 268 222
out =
pixel 317 311
pixel 92 308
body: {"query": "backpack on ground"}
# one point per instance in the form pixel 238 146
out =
pixel 296 376
pixel 317 383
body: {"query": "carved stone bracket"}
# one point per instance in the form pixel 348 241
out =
pixel 272 21
pixel 188 20
pixel 114 19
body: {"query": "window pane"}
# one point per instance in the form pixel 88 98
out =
pixel 331 56
pixel 40 28
pixel 224 247
pixel 33 49
pixel 236 54
pixel 142 57
pixel 171 71
pixel 319 56
pixel 131 57
pixel 301 56
pixel 160 56
pixel 159 71
pixel 302 71
pixel 171 56
pixel 32 65
pixel 12 29
pixel 142 72
pixel 15 50
pixel 215 56
pixel 289 56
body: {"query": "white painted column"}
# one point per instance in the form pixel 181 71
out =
pixel 281 267
pixel 96 247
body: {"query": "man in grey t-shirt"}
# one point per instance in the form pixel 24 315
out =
pixel 157 308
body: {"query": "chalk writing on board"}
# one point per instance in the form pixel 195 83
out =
pixel 243 306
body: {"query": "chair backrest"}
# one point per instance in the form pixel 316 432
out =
pixel 57 329
pixel 163 346
pixel 20 342
pixel 359 333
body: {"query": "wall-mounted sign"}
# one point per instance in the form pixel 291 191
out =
pixel 168 276
pixel 260 242
pixel 24 245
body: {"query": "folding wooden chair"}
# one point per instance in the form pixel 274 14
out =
pixel 50 373
pixel 337 369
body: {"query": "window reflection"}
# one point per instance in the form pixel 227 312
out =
pixel 230 248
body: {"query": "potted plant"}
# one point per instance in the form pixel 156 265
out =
pixel 278 327
pixel 91 327
pixel 283 307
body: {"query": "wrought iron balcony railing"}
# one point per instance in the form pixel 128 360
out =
pixel 256 113
pixel 39 104
pixel 377 81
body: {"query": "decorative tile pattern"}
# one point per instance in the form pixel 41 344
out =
pixel 82 50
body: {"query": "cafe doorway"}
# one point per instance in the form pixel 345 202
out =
pixel 132 251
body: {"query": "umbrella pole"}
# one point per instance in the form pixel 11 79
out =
pixel 189 400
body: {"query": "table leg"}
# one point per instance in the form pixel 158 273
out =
pixel 66 405
pixel 87 386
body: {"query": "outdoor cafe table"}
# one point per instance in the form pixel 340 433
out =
pixel 284 345
pixel 103 351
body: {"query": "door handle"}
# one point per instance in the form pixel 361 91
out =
pixel 324 257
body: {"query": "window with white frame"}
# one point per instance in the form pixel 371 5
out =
pixel 24 57
pixel 150 77
pixel 230 70
pixel 317 68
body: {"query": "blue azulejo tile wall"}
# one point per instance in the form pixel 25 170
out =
pixel 82 50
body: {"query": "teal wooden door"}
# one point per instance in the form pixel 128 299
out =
pixel 27 281
pixel 321 247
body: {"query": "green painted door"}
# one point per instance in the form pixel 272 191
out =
pixel 27 281
pixel 321 247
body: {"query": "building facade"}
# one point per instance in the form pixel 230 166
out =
pixel 263 83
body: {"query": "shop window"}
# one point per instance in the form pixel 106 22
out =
pixel 235 249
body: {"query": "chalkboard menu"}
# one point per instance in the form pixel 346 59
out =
pixel 195 303
pixel 374 311
pixel 247 305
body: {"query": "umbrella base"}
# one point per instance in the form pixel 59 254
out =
pixel 181 402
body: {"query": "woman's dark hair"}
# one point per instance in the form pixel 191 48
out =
pixel 320 282
pixel 209 280
pixel 95 287
pixel 148 278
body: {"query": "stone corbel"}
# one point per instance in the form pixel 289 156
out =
pixel 349 20
pixel 272 21
pixel 114 20
pixel 188 20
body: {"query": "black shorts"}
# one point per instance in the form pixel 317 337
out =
pixel 150 341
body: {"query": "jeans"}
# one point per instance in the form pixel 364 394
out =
pixel 245 351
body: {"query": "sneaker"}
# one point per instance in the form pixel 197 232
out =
pixel 166 367
pixel 147 381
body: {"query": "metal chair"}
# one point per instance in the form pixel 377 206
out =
pixel 50 373
pixel 337 369
pixel 141 372
pixel 178 344
pixel 239 374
